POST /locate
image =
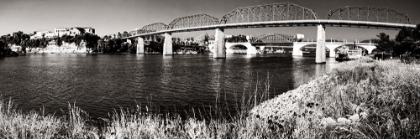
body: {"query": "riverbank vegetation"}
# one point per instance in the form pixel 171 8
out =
pixel 405 45
pixel 358 99
pixel 23 40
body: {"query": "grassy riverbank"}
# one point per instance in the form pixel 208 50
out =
pixel 358 99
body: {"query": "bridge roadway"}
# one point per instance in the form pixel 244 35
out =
pixel 288 23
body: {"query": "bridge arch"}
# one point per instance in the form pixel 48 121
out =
pixel 269 12
pixel 372 14
pixel 248 47
pixel 375 51
pixel 238 48
pixel 274 38
pixel 153 28
pixel 368 48
pixel 365 51
pixel 193 21
pixel 311 47
pixel 348 45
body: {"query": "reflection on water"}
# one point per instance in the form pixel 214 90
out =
pixel 101 83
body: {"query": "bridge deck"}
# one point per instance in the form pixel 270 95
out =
pixel 289 23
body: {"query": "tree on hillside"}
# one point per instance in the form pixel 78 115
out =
pixel 110 46
pixel 119 35
pixel 416 33
pixel 44 43
pixel 78 40
pixel 117 44
pixel 2 49
pixel 9 40
pixel 37 43
pixel 91 40
pixel 385 44
pixel 59 41
pixel 17 37
pixel 133 47
pixel 67 38
pixel 125 34
pixel 405 41
pixel 101 45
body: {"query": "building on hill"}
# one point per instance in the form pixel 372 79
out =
pixel 73 31
pixel 89 30
pixel 41 34
pixel 59 32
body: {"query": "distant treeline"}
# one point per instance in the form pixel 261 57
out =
pixel 93 43
pixel 406 44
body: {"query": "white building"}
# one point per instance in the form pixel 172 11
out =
pixel 59 32
pixel 73 31
pixel 89 30
pixel 40 34
pixel 300 36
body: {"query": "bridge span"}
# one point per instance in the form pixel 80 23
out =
pixel 273 15
pixel 252 47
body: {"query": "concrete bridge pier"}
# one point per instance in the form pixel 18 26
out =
pixel 332 53
pixel 369 48
pixel 140 45
pixel 219 44
pixel 320 45
pixel 154 38
pixel 296 49
pixel 167 46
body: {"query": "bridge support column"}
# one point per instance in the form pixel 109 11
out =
pixel 251 50
pixel 167 46
pixel 332 53
pixel 320 45
pixel 140 45
pixel 296 49
pixel 219 44
pixel 370 49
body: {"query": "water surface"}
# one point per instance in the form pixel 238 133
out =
pixel 101 83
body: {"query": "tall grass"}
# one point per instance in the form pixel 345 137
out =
pixel 15 124
pixel 218 122
pixel 387 91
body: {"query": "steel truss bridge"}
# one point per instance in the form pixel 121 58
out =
pixel 279 15
pixel 273 38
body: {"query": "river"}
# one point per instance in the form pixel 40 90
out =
pixel 101 83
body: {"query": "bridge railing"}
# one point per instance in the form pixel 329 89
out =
pixel 373 14
pixel 193 21
pixel 269 12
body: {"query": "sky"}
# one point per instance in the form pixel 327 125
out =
pixel 112 16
